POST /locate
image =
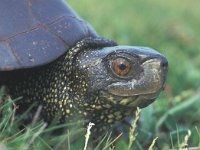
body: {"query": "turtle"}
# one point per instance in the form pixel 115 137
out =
pixel 53 58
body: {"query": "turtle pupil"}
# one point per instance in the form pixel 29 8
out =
pixel 122 67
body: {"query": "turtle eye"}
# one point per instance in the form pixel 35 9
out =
pixel 121 66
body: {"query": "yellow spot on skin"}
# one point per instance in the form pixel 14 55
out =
pixel 110 116
pixel 98 107
pixel 44 99
pixel 124 101
pixel 107 106
pixel 118 117
pixel 65 102
pixel 88 108
pixel 67 111
pixel 86 104
pixel 110 121
pixel 111 98
pixel 65 77
pixel 102 117
pixel 117 113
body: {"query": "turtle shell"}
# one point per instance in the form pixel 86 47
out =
pixel 36 32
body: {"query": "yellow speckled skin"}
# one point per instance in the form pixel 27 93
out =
pixel 81 83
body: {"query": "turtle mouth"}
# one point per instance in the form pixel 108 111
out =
pixel 140 100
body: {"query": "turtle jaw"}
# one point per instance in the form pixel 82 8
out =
pixel 144 90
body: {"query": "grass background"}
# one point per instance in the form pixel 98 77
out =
pixel 172 28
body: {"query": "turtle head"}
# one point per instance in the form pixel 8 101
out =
pixel 125 76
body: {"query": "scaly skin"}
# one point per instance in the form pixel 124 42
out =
pixel 82 83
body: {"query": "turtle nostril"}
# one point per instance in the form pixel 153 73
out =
pixel 164 68
pixel 164 63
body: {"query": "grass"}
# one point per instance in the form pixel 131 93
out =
pixel 171 27
pixel 38 136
